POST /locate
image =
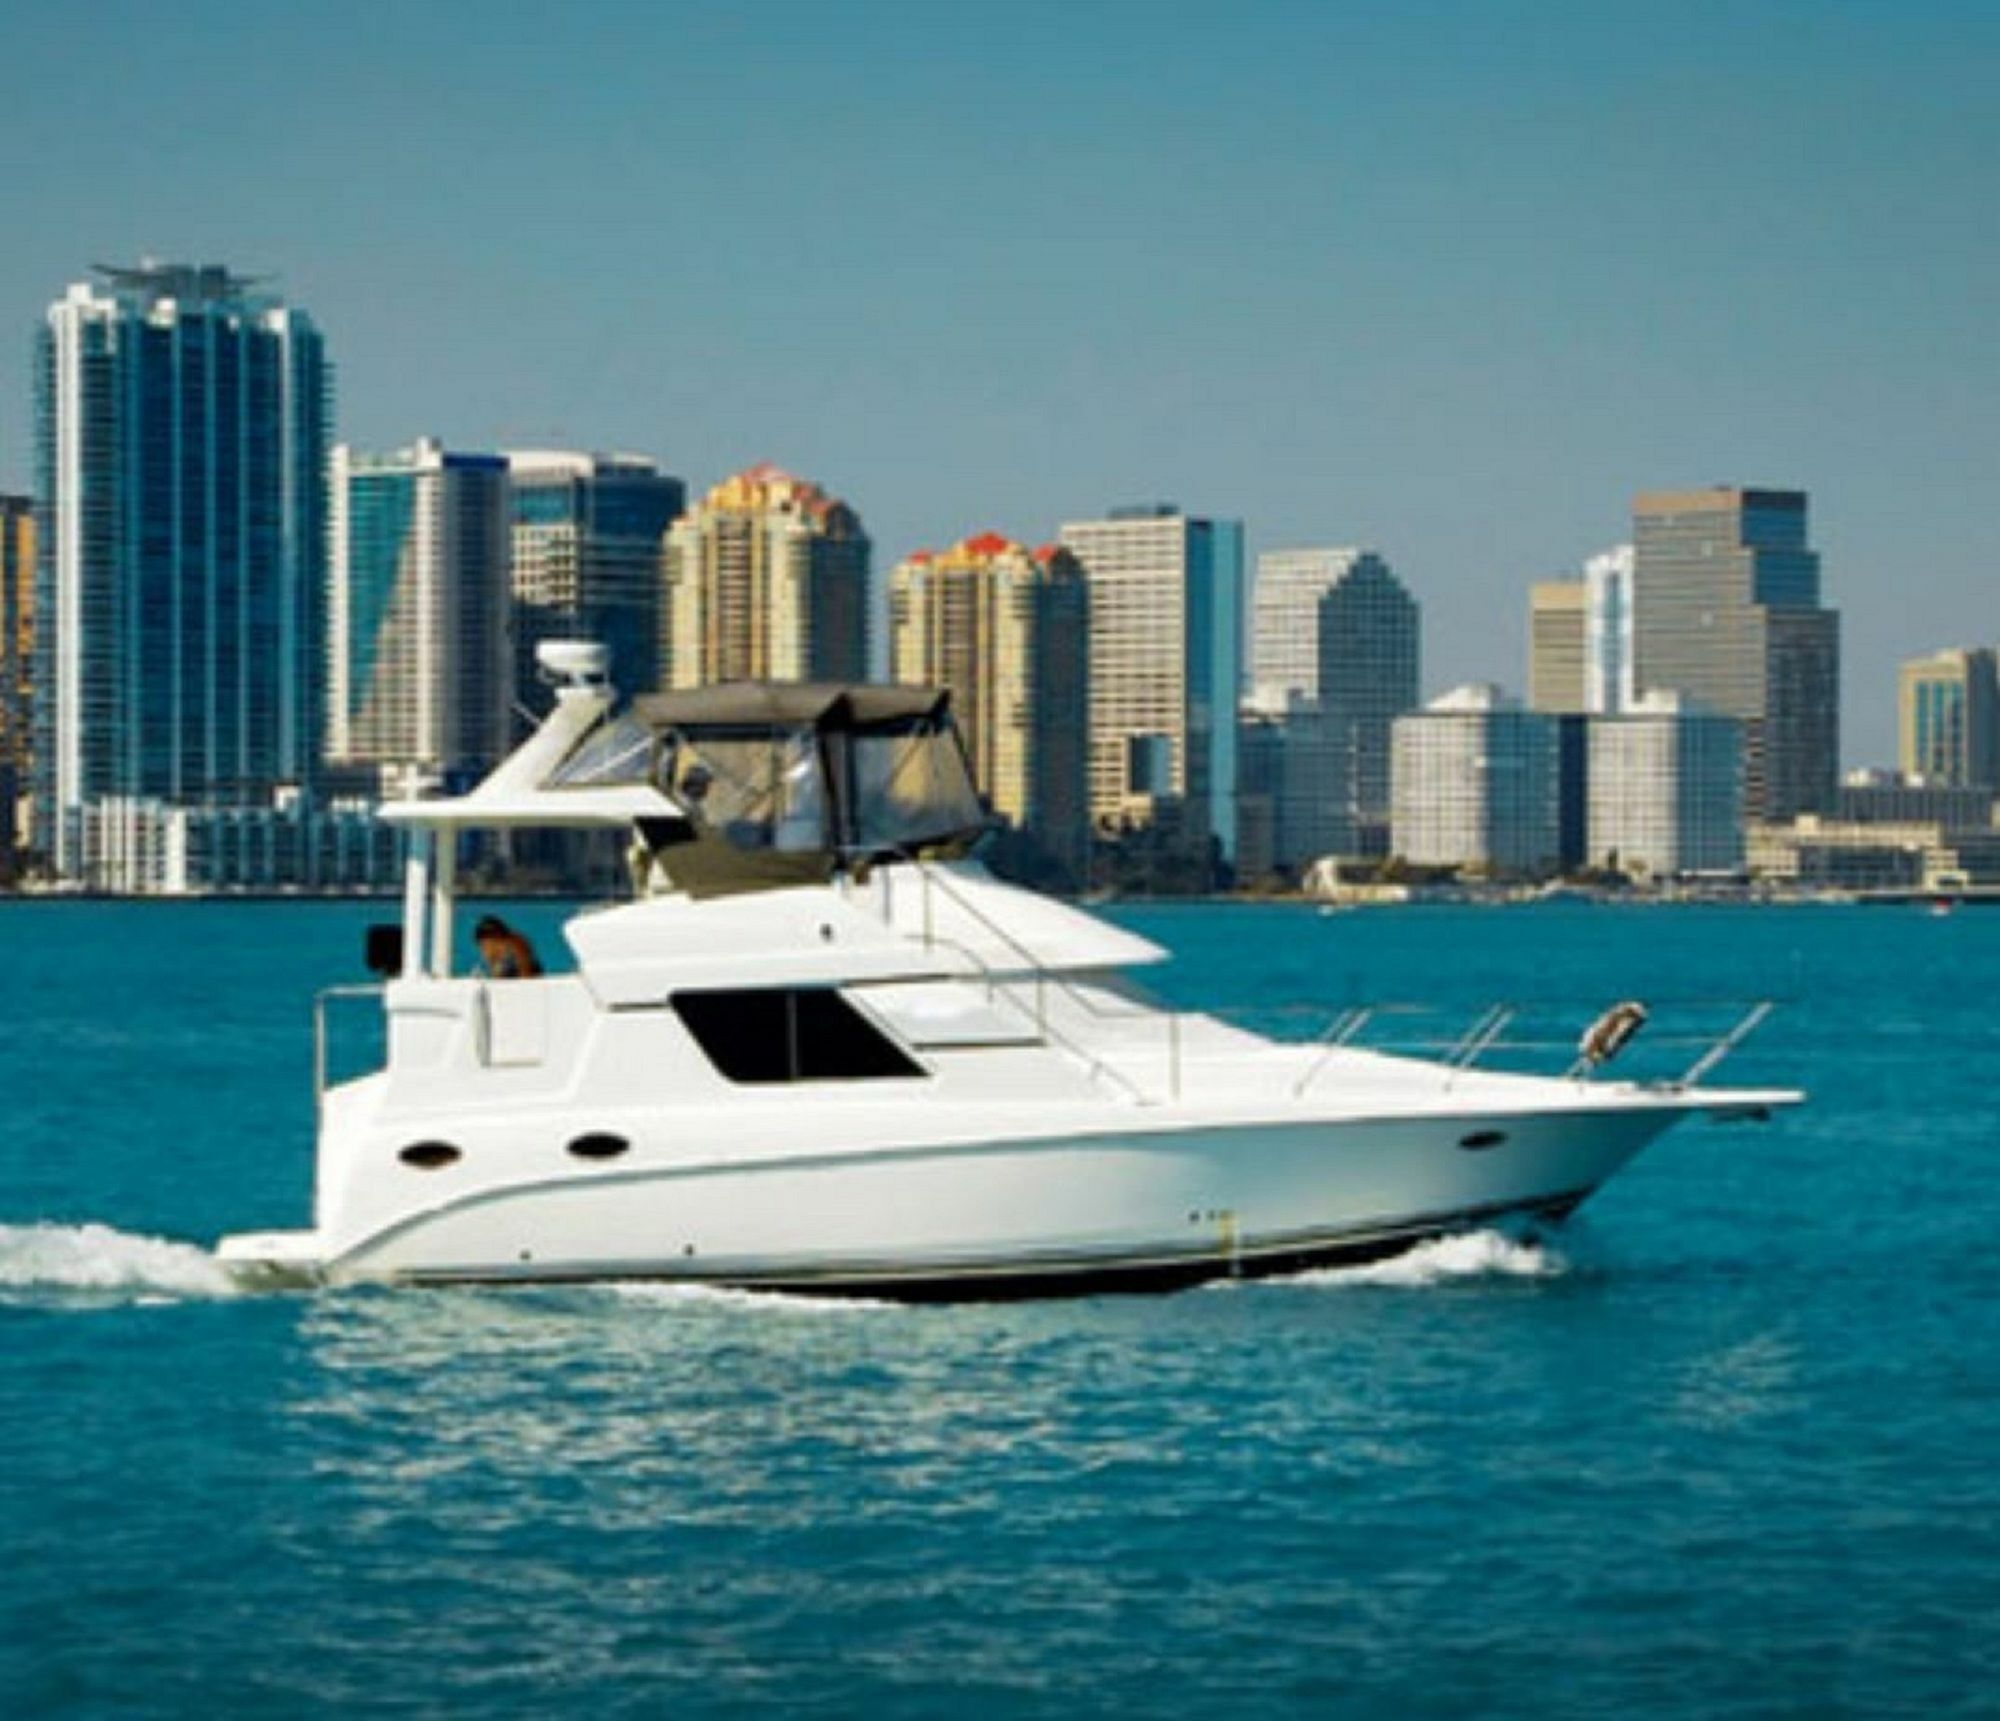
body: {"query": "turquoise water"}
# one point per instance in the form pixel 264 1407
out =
pixel 1726 1446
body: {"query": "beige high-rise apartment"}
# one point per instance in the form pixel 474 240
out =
pixel 1726 607
pixel 1557 613
pixel 1948 718
pixel 767 580
pixel 1166 633
pixel 1006 629
pixel 17 666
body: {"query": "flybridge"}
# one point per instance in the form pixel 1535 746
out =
pixel 820 774
pixel 743 786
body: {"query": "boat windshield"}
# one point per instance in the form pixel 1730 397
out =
pixel 909 789
pixel 612 753
pixel 763 791
pixel 891 792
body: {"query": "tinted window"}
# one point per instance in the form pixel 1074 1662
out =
pixel 785 1034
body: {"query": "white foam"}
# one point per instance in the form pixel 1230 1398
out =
pixel 97 1260
pixel 1448 1260
pixel 681 1291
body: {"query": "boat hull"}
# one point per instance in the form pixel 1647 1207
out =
pixel 1005 1218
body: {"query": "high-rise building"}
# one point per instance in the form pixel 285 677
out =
pixel 419 673
pixel 1166 641
pixel 1370 653
pixel 183 428
pixel 1478 784
pixel 1580 638
pixel 1873 796
pixel 587 548
pixel 767 580
pixel 1948 715
pixel 1726 607
pixel 1607 631
pixel 1285 614
pixel 1666 788
pixel 17 669
pixel 1557 614
pixel 1006 629
pixel 1293 782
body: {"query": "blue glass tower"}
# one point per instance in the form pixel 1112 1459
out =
pixel 587 561
pixel 183 437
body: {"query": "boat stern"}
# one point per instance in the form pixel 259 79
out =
pixel 273 1260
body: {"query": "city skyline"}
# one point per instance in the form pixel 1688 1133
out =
pixel 1438 297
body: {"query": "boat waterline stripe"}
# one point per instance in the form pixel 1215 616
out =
pixel 1282 1252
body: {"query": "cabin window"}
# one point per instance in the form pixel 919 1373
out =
pixel 790 1034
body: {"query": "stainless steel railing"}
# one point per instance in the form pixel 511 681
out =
pixel 1487 1038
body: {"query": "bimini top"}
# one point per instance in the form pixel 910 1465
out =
pixel 743 785
pixel 790 783
pixel 820 705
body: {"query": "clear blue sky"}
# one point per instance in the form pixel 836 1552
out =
pixel 1450 279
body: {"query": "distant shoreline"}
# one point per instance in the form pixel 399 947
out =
pixel 1936 900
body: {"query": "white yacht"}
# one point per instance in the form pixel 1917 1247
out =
pixel 821 1049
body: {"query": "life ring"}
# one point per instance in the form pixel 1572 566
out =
pixel 1611 1033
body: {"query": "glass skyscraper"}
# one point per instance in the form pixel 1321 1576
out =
pixel 1726 607
pixel 183 435
pixel 1580 638
pixel 1370 652
pixel 17 642
pixel 1334 659
pixel 420 674
pixel 587 560
pixel 1607 632
pixel 1948 715
pixel 1284 646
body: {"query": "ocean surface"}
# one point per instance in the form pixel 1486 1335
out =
pixel 1727 1444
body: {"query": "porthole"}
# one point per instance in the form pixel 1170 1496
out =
pixel 1481 1139
pixel 430 1155
pixel 599 1146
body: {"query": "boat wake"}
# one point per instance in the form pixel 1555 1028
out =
pixel 96 1264
pixel 1472 1255
pixel 696 1297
